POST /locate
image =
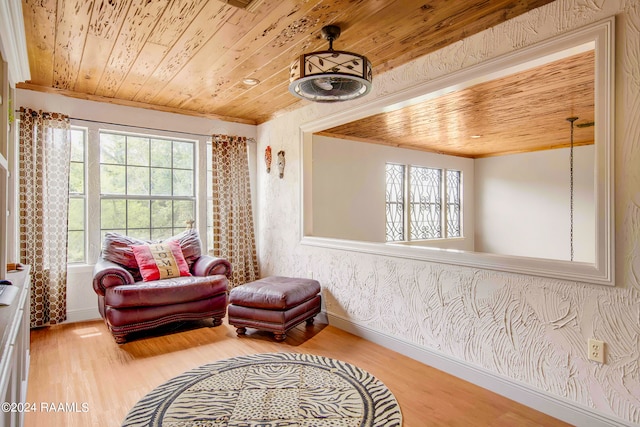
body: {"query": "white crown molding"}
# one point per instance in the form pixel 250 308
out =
pixel 540 400
pixel 13 43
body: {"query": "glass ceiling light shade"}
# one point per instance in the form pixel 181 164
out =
pixel 330 75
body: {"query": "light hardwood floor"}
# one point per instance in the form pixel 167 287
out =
pixel 80 363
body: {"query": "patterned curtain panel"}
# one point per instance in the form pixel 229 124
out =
pixel 233 234
pixel 45 147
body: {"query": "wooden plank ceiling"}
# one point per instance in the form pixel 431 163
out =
pixel 191 56
pixel 518 113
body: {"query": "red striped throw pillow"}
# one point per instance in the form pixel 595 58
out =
pixel 160 260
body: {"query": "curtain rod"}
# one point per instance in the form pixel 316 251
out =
pixel 144 127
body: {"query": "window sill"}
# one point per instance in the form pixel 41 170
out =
pixel 77 268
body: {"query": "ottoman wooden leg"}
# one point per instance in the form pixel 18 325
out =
pixel 279 337
pixel 241 330
pixel 217 321
pixel 310 321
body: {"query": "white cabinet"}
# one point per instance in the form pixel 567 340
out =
pixel 15 352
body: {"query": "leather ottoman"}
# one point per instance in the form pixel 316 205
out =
pixel 274 304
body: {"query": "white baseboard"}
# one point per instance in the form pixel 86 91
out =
pixel 82 315
pixel 322 317
pixel 555 406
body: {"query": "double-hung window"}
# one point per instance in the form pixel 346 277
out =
pixel 209 196
pixel 147 185
pixel 422 203
pixel 76 224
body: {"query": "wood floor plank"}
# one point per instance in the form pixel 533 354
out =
pixel 80 366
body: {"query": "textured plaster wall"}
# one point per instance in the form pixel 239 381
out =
pixel 530 329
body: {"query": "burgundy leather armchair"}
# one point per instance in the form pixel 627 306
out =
pixel 127 304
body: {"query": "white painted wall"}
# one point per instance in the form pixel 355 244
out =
pixel 523 204
pixel 349 188
pixel 529 331
pixel 81 299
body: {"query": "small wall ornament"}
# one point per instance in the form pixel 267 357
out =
pixel 267 158
pixel 281 163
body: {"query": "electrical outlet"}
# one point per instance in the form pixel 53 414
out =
pixel 596 350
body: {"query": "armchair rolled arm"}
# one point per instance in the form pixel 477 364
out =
pixel 208 265
pixel 107 274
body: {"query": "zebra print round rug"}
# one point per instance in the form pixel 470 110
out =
pixel 270 390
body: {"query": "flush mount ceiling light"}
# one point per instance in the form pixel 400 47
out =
pixel 330 75
pixel 250 81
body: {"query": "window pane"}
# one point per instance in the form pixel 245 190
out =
pixel 161 213
pixel 112 148
pixel 76 214
pixel 183 211
pixel 113 179
pixel 183 183
pixel 75 246
pixel 76 178
pixel 209 241
pixel 77 145
pixel 183 155
pixel 394 198
pixel 139 233
pixel 161 180
pixel 137 181
pixel 453 203
pixel 138 215
pixel 425 195
pixel 161 153
pixel 113 213
pixel 149 167
pixel 137 151
pixel 161 233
